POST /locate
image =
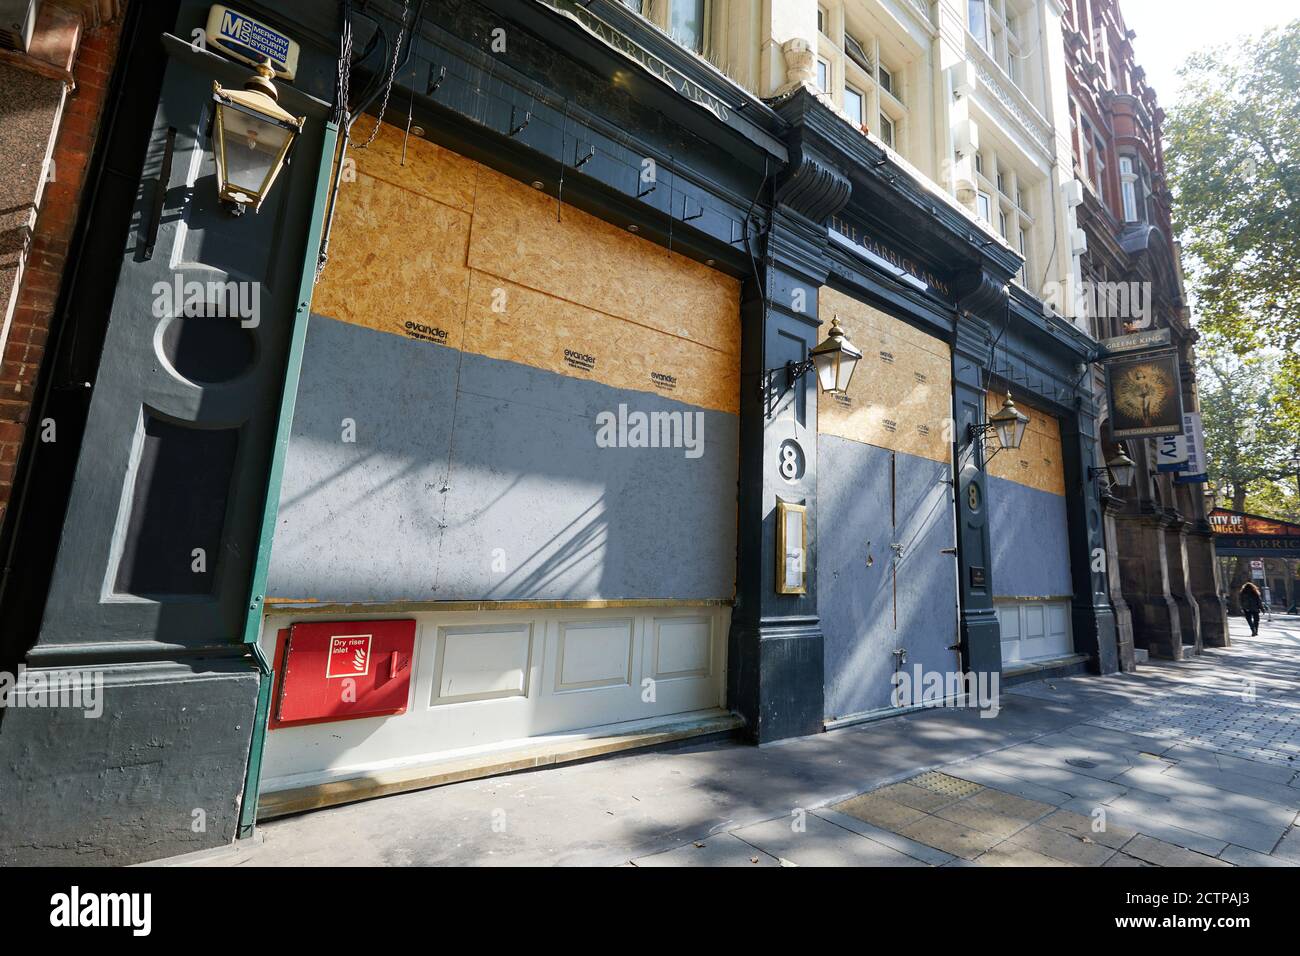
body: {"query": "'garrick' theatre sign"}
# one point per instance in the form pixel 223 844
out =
pixel 1236 532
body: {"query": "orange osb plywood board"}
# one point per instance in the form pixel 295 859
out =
pixel 427 169
pixel 447 251
pixel 511 322
pixel 900 397
pixel 579 258
pixel 397 263
pixel 1038 462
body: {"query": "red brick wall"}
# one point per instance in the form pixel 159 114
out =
pixel 25 348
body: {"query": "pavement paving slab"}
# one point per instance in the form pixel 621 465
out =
pixel 963 841
pixel 1063 846
pixel 1161 853
pixel 725 849
pixel 820 843
pixel 1082 827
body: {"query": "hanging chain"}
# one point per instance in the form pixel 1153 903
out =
pixel 392 75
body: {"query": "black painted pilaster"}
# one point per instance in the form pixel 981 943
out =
pixel 776 665
pixel 980 635
pixel 1093 617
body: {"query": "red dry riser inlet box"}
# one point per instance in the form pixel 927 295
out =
pixel 342 670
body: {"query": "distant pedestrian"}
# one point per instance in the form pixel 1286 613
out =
pixel 1251 603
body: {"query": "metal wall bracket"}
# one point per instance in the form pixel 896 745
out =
pixel 517 128
pixel 435 81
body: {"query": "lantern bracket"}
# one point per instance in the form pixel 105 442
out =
pixel 977 434
pixel 793 372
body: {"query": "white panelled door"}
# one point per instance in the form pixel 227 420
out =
pixel 1035 631
pixel 488 679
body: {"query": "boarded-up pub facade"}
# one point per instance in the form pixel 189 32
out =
pixel 511 489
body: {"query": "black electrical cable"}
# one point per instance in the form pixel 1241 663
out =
pixel 758 281
pixel 350 116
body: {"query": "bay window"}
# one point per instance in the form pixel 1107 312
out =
pixel 1128 188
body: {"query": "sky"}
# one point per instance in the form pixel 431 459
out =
pixel 1168 31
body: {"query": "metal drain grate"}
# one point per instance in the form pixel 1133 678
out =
pixel 937 782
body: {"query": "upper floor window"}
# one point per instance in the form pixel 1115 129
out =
pixel 1128 188
pixel 887 81
pixel 854 105
pixel 887 130
pixel 1100 153
pixel 686 21
pixel 1085 151
pixel 851 53
pixel 1001 201
pixel 977 13
pixel 856 53
pixel 996 25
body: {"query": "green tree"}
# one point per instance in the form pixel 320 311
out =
pixel 1275 499
pixel 1247 445
pixel 1233 161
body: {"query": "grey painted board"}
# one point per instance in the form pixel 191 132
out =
pixel 1030 538
pixel 855 570
pixel 493 489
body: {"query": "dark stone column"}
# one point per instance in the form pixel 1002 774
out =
pixel 1144 572
pixel 776 666
pixel 1189 620
pixel 1091 612
pixel 1203 566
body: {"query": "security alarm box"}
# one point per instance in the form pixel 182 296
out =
pixel 342 670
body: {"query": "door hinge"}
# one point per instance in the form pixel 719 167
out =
pixel 952 551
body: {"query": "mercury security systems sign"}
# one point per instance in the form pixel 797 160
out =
pixel 252 41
